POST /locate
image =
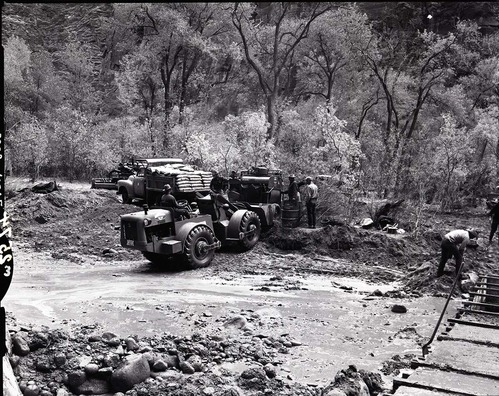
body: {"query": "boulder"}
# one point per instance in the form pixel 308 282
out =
pixel 253 378
pixel 131 344
pixel 133 370
pixel 91 369
pixel 60 359
pixel 43 364
pixel 159 365
pixel 399 308
pixel 239 322
pixel 19 345
pixel 270 370
pixel 38 340
pixel 62 392
pixel 94 338
pixel 76 378
pixel 347 382
pixel 172 361
pixel 196 362
pixel 31 390
pixel 108 336
pixel 187 368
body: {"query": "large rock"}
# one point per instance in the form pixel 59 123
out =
pixel 19 345
pixel 31 390
pixel 253 378
pixel 347 382
pixel 397 308
pixel 187 368
pixel 38 340
pixel 134 370
pixel 159 365
pixel 76 378
pixel 172 361
pixel 196 362
pixel 93 387
pixel 131 344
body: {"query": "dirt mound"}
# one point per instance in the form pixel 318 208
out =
pixel 27 207
pixel 351 243
pixel 69 223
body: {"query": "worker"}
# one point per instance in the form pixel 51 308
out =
pixel 293 191
pixel 217 183
pixel 169 201
pixel 494 219
pixel 454 244
pixel 311 193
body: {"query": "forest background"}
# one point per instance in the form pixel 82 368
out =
pixel 393 99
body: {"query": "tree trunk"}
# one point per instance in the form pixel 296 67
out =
pixel 271 115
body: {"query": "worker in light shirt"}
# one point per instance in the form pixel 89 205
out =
pixel 454 244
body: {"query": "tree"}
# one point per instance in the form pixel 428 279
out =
pixel 407 73
pixel 269 43
pixel 29 145
pixel 332 45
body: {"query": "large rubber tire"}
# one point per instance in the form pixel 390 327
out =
pixel 124 196
pixel 154 258
pixel 250 219
pixel 195 254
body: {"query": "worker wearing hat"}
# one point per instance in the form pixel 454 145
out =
pixel 311 193
pixel 169 201
pixel 292 191
pixel 454 244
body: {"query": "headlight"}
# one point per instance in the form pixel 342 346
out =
pixel 147 222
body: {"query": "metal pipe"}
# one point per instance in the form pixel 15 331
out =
pixel 425 347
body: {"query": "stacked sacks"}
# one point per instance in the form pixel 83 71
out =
pixel 206 177
pixel 188 182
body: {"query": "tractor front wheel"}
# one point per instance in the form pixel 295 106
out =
pixel 250 225
pixel 124 196
pixel 198 252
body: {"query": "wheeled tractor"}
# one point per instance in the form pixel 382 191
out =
pixel 159 233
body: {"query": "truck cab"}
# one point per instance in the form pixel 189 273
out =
pixel 135 186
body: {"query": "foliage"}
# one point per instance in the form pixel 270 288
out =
pixel 377 96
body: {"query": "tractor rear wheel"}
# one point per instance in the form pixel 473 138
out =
pixel 154 258
pixel 250 222
pixel 198 253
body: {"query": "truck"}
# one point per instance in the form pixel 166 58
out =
pixel 111 181
pixel 159 234
pixel 153 173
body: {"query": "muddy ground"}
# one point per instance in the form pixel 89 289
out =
pixel 284 318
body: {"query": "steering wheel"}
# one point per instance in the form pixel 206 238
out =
pixel 182 202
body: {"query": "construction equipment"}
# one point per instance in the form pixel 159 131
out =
pixel 158 234
pixel 154 173
pixel 258 189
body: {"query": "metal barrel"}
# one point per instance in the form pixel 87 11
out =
pixel 290 218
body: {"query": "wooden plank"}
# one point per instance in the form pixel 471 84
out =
pixel 478 311
pixel 480 304
pixel 464 357
pixel 483 294
pixel 487 288
pixel 408 391
pixel 471 323
pixel 449 382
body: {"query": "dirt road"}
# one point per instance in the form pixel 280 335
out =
pixel 335 325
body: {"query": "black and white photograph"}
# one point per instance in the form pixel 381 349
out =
pixel 250 198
